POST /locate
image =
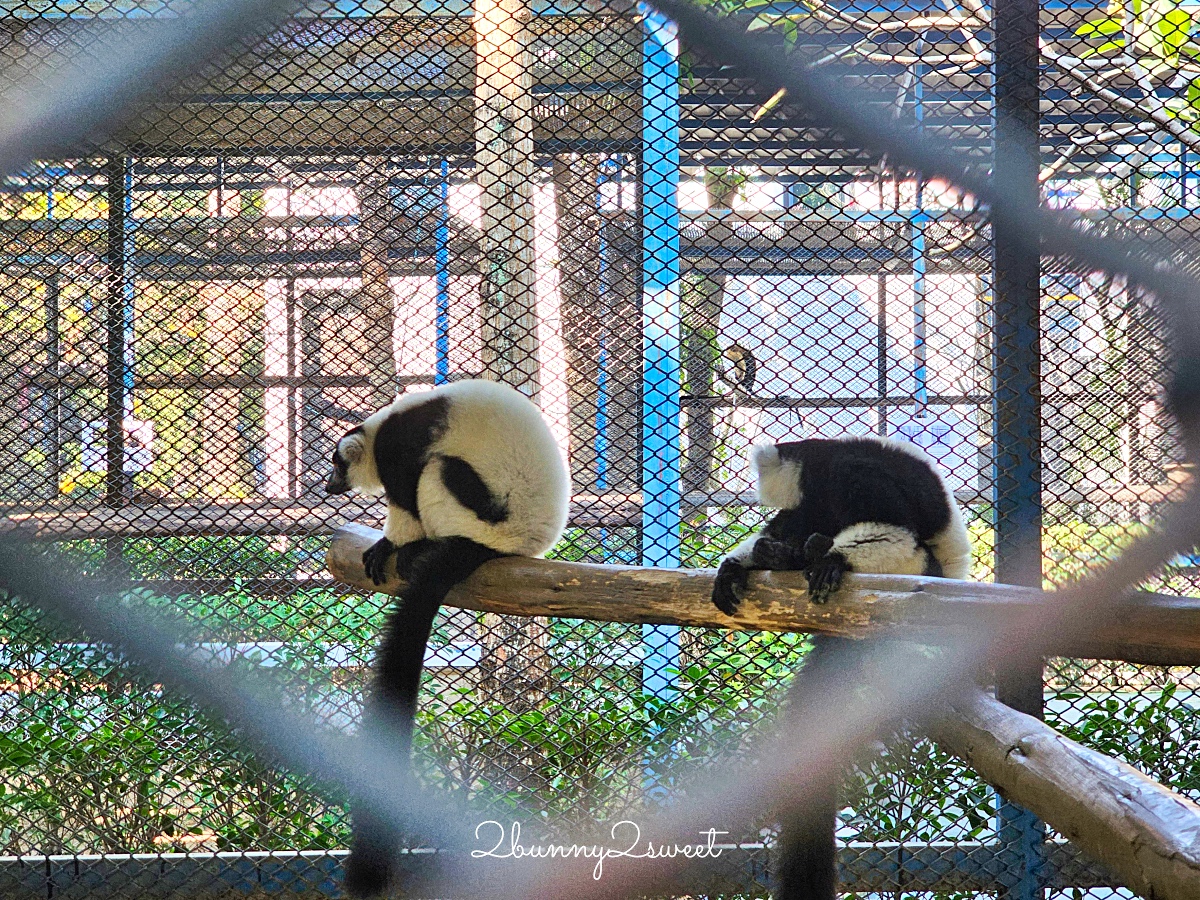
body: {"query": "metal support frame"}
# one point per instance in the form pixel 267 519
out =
pixel 1017 404
pixel 919 313
pixel 293 371
pixel 661 367
pixel 442 259
pixel 118 327
pixel 881 351
pixel 52 397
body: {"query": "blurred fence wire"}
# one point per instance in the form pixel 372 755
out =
pixel 54 107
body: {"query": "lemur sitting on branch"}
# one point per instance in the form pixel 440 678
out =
pixel 471 472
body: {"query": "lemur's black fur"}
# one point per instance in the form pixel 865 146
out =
pixel 845 505
pixel 470 472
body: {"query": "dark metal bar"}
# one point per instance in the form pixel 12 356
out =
pixel 293 436
pixel 1017 381
pixel 943 867
pixel 80 377
pixel 117 172
pixel 881 349
pixel 53 394
pixel 715 402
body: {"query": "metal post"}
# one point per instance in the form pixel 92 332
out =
pixel 602 376
pixel 660 341
pixel 54 396
pixel 1017 392
pixel 293 425
pixel 118 323
pixel 919 219
pixel 442 259
pixel 881 354
pixel 920 348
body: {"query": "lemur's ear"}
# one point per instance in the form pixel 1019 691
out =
pixel 352 447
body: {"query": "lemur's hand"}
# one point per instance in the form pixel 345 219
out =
pixel 824 569
pixel 730 586
pixel 375 559
pixel 777 555
pixel 816 547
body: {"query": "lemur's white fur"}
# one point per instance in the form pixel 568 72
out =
pixel 502 434
pixel 876 548
pixel 778 481
pixel 873 547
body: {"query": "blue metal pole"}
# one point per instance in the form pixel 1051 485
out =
pixel 442 260
pixel 1017 404
pixel 920 349
pixel 661 371
pixel 127 289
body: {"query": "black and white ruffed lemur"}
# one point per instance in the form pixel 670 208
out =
pixel 867 505
pixel 470 472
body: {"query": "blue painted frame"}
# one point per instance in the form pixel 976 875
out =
pixel 441 372
pixel 661 365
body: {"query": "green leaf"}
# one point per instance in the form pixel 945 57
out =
pixel 1106 47
pixel 1193 93
pixel 1174 28
pixel 1099 26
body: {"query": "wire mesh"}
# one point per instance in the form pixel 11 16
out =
pixel 373 199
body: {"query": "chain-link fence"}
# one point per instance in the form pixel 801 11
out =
pixel 380 196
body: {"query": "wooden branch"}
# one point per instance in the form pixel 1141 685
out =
pixel 1146 834
pixel 1154 628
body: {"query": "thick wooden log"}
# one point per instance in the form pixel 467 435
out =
pixel 1153 628
pixel 1147 835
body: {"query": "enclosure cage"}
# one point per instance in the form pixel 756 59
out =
pixel 370 197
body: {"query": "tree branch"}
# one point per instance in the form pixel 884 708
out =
pixel 1159 114
pixel 1154 629
pixel 1146 834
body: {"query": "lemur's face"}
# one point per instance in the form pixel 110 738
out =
pixel 348 453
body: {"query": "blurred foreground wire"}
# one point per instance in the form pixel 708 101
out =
pixel 808 748
pixel 73 97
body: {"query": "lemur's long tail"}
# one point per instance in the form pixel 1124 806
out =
pixel 392 707
pixel 807 854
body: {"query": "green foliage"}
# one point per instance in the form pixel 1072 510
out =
pixel 1156 731
pixel 1153 36
pixel 581 752
pixel 914 791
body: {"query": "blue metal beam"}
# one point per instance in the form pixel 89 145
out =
pixel 1017 389
pixel 442 257
pixel 661 370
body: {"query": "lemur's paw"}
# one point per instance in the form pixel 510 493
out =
pixel 367 874
pixel 406 556
pixel 816 547
pixel 825 576
pixel 375 559
pixel 730 586
pixel 779 556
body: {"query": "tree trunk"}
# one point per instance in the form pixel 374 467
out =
pixel 623 351
pixel 576 179
pixel 516 658
pixel 376 302
pixel 504 157
pixel 701 302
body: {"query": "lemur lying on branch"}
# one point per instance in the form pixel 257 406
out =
pixel 846 505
